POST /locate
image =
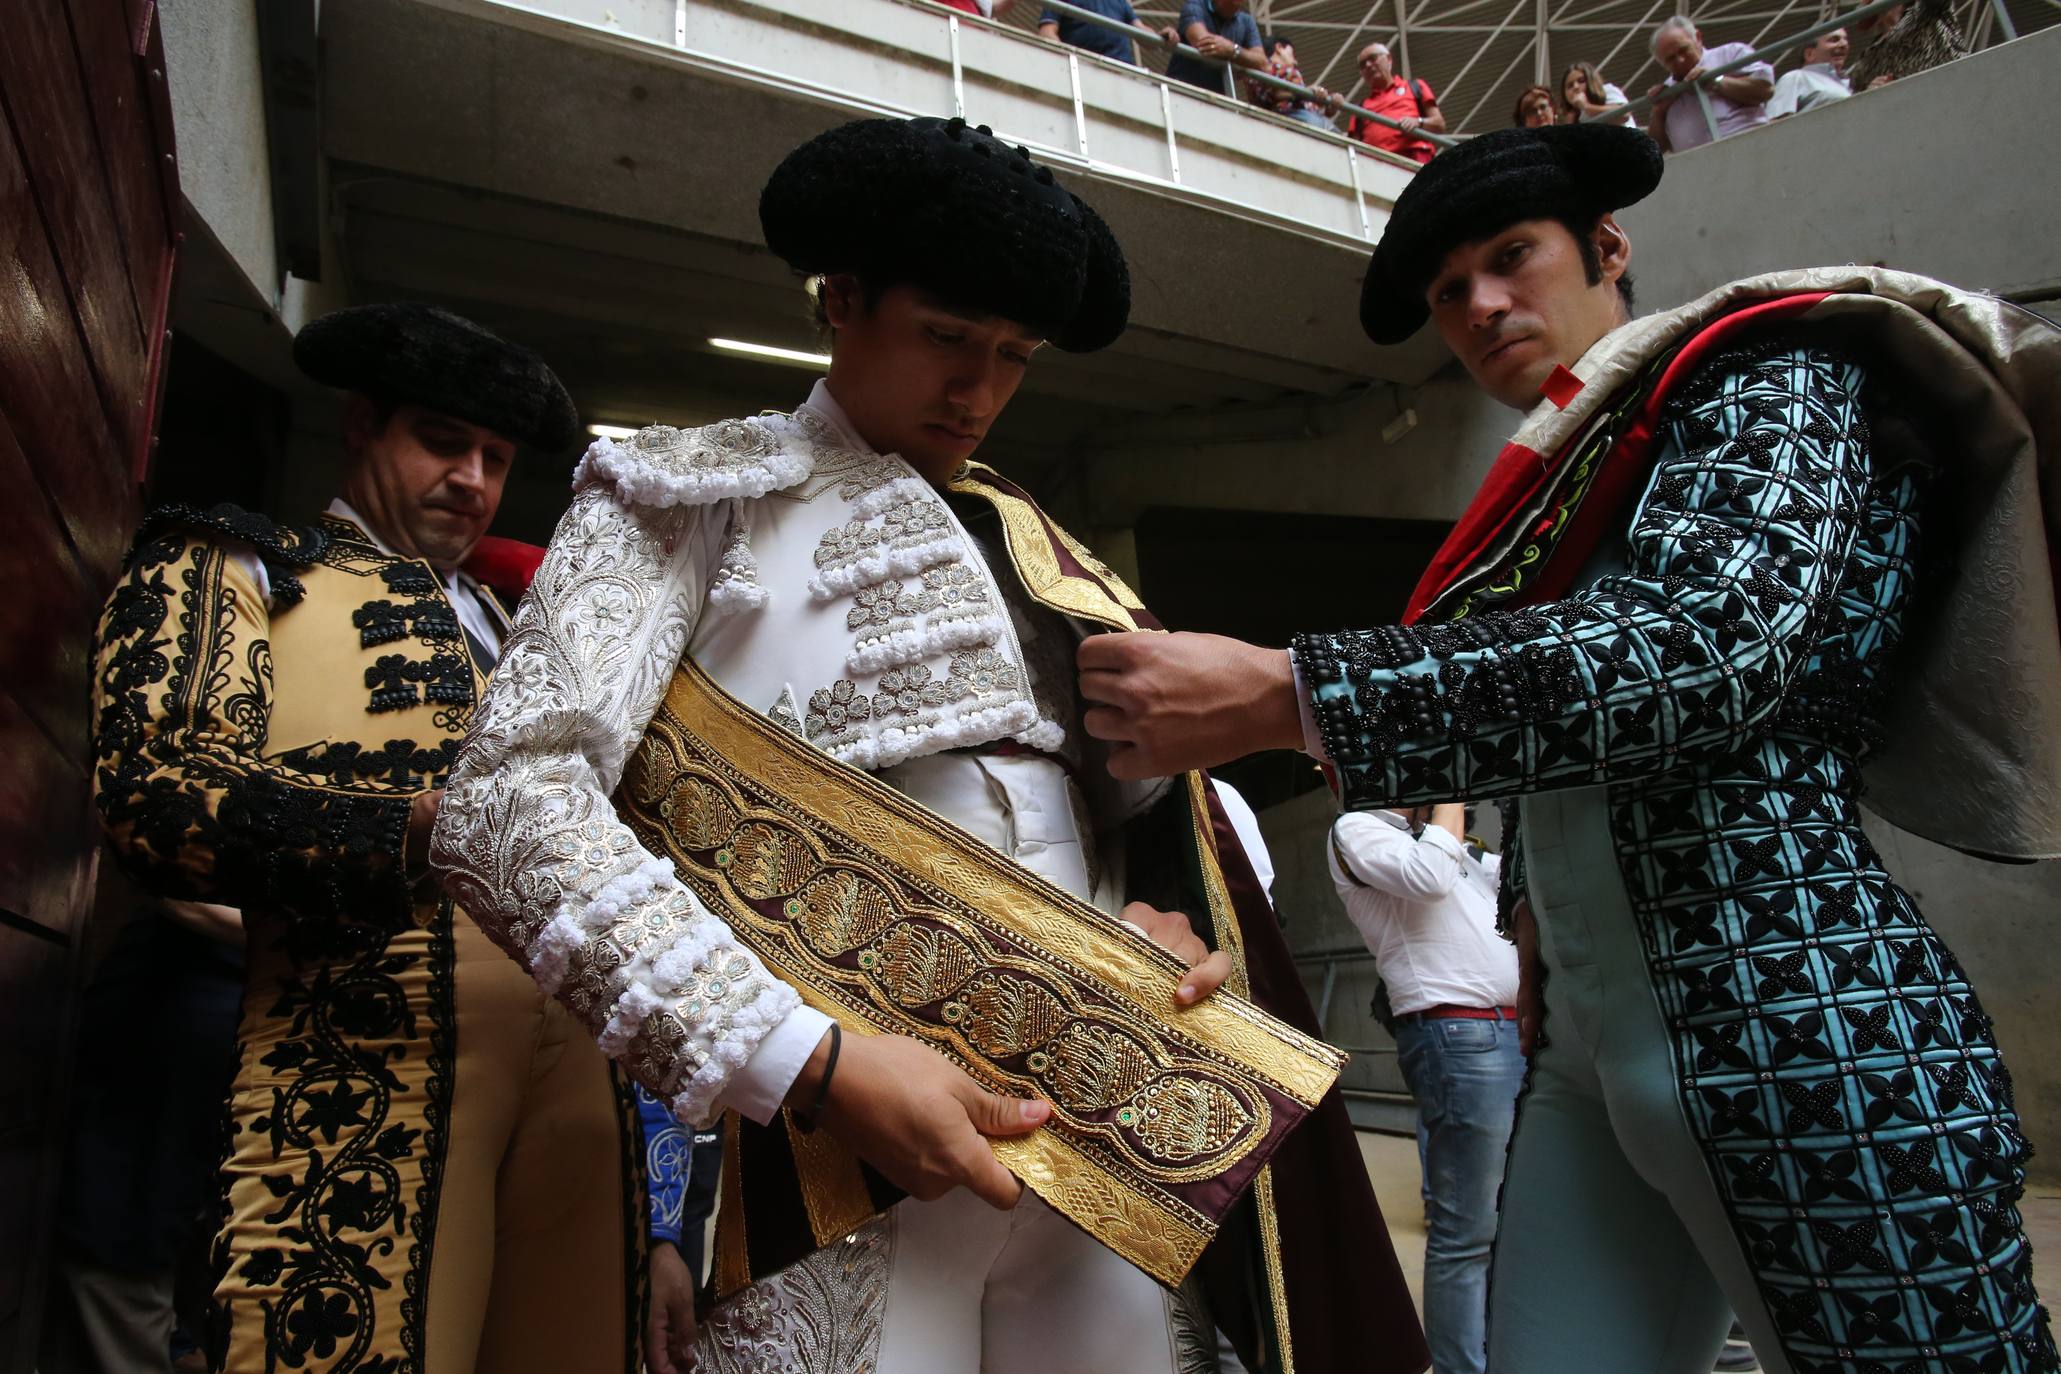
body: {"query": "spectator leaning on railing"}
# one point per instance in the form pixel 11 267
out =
pixel 1584 94
pixel 1076 32
pixel 1737 102
pixel 1216 28
pixel 1409 103
pixel 1821 80
pixel 1281 63
pixel 1534 109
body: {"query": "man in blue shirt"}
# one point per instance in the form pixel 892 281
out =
pixel 1220 29
pixel 1080 33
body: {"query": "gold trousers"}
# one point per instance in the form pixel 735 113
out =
pixel 431 1167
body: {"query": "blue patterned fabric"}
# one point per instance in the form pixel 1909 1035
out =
pixel 1832 1060
pixel 668 1155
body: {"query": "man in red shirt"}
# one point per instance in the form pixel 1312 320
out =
pixel 1409 103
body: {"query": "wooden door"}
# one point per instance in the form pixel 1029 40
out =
pixel 88 220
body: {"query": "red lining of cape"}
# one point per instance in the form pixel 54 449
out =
pixel 1519 472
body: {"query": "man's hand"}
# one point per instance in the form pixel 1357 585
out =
pixel 915 1116
pixel 1171 931
pixel 1170 702
pixel 422 818
pixel 669 1329
pixel 1409 123
pixel 1531 1004
pixel 1170 36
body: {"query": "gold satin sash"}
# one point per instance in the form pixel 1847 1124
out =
pixel 891 919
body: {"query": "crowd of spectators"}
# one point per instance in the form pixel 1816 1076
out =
pixel 1687 109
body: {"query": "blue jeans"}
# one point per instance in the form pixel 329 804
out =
pixel 1304 114
pixel 1465 1075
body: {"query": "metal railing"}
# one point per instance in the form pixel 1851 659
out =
pixel 1767 53
pixel 1331 959
pixel 1233 72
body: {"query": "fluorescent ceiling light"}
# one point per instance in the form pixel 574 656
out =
pixel 759 350
pixel 611 431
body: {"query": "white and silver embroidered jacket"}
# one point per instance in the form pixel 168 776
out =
pixel 826 585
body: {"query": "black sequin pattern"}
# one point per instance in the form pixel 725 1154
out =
pixel 182 702
pixel 1831 1057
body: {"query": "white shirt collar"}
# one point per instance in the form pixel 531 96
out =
pixel 827 409
pixel 343 510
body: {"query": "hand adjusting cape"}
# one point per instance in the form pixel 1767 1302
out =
pixel 1169 1121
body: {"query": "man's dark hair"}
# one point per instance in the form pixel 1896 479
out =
pixel 1592 260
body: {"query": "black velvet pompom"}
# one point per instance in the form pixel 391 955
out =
pixel 426 356
pixel 936 204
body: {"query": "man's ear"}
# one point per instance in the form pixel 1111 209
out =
pixel 361 422
pixel 1613 248
pixel 839 294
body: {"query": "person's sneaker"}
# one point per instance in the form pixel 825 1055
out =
pixel 1737 1357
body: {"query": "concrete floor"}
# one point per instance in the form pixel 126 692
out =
pixel 1392 1165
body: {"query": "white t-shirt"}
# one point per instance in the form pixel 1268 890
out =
pixel 1239 812
pixel 1427 909
pixel 1806 88
pixel 1614 95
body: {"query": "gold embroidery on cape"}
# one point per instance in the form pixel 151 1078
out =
pixel 1229 936
pixel 1029 537
pixel 883 914
pixel 733 1262
pixel 833 1190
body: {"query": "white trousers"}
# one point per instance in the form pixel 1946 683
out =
pixel 956 1287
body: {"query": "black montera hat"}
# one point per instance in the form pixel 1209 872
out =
pixel 937 204
pixel 1484 186
pixel 422 355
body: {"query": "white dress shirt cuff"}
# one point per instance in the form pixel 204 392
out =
pixel 758 1089
pixel 1312 742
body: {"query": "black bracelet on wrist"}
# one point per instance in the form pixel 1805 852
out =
pixel 806 1121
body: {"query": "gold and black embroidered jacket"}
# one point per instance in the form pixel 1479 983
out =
pixel 264 750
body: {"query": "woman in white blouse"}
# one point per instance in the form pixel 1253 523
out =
pixel 1584 94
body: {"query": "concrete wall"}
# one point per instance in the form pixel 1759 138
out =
pixel 1941 173
pixel 218 108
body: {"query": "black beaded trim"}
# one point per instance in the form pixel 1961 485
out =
pixel 283 549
